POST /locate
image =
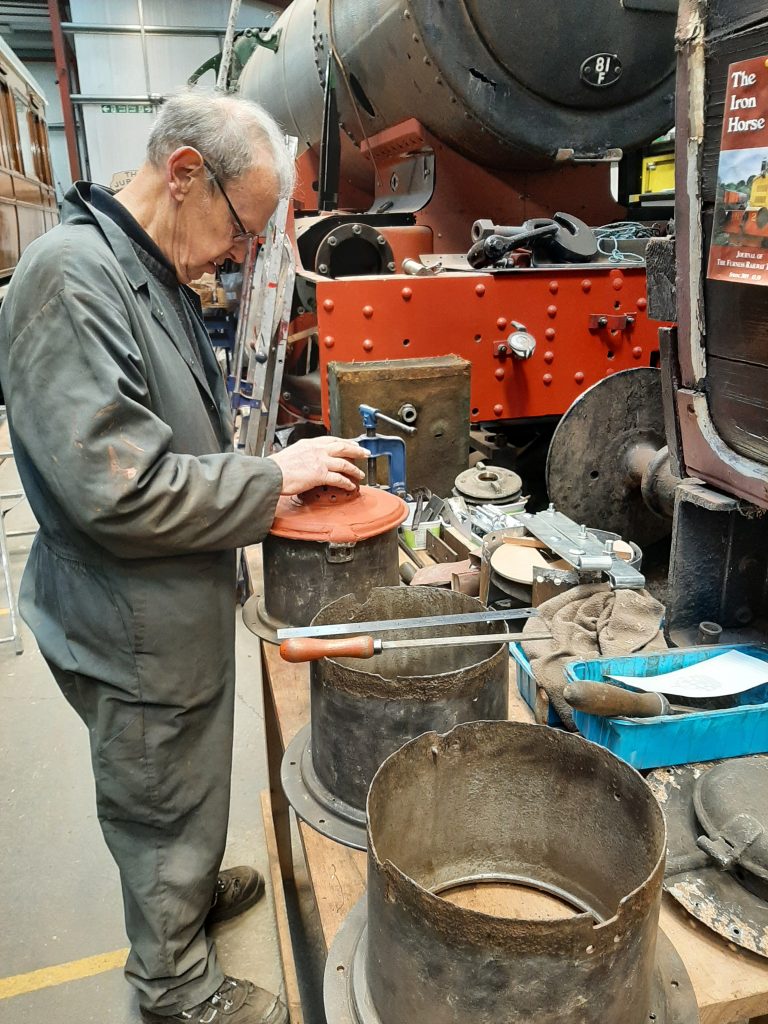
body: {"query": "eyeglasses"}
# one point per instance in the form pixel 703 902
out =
pixel 242 234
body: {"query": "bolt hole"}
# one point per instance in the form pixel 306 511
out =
pixel 475 412
pixel 737 931
pixel 675 984
pixel 614 333
pixel 406 342
pixel 478 337
pixel 595 474
pixel 590 949
pixel 340 968
pixel 616 939
pixel 321 821
pixel 611 354
pixel 651 1016
pixel 617 304
pixel 616 795
pixel 487 476
pixel 293 764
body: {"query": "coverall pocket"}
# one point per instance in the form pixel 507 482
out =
pixel 122 773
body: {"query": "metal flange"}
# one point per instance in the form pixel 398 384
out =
pixel 257 618
pixel 347 998
pixel 488 485
pixel 312 802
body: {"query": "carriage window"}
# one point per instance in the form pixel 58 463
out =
pixel 8 152
pixel 25 137
pixel 42 153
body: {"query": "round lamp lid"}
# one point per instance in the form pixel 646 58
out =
pixel 731 802
pixel 330 514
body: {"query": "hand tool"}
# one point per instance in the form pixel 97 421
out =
pixel 302 649
pixel 416 523
pixel 392 625
pixel 609 701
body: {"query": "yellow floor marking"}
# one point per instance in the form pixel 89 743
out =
pixel 47 977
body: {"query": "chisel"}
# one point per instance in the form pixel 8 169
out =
pixel 302 649
pixel 609 701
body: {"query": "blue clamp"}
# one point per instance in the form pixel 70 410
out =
pixel 384 446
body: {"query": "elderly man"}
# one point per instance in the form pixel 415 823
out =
pixel 123 439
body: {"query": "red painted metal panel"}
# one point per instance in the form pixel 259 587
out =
pixel 469 314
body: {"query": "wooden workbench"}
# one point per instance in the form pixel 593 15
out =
pixel 731 985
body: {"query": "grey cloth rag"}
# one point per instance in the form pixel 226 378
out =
pixel 590 622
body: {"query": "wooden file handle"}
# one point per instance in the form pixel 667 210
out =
pixel 300 649
pixel 614 702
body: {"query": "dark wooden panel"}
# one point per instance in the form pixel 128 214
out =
pixel 725 14
pixel 737 321
pixel 738 399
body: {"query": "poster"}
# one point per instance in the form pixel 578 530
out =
pixel 739 249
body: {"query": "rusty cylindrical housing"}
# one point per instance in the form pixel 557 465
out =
pixel 324 544
pixel 503 802
pixel 362 711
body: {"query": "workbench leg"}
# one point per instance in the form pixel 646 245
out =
pixel 281 810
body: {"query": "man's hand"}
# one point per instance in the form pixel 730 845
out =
pixel 320 461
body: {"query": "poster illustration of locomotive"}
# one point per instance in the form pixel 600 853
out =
pixel 739 249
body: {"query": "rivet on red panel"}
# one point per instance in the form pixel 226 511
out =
pixel 548 357
pixel 501 323
pixel 328 305
pixel 499 374
pixel 550 333
pixel 407 294
pixel 367 312
pixel 618 283
pixel 554 287
pixel 642 304
pixel 586 285
pixel 498 410
pixel 329 341
pixel 547 378
pixel 578 377
pixel 637 351
pixel 552 311
pixel 367 344
pixel 480 290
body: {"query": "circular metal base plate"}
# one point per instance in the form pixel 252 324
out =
pixel 587 477
pixel 348 1001
pixel 313 803
pixel 258 620
pixel 713 896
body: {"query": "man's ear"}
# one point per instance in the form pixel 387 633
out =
pixel 183 167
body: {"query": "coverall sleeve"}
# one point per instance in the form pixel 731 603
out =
pixel 80 404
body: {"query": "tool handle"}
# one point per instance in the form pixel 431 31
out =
pixel 609 701
pixel 299 649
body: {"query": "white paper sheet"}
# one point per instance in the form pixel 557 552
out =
pixel 733 672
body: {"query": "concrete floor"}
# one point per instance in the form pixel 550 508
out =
pixel 59 890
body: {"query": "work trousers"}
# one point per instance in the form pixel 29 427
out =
pixel 162 763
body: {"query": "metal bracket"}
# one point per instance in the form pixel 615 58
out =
pixel 610 321
pixel 581 549
pixel 338 553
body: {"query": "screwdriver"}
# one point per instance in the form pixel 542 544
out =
pixel 300 649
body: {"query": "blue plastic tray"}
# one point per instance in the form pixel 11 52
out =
pixel 527 685
pixel 674 739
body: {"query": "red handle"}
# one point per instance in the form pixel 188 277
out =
pixel 303 649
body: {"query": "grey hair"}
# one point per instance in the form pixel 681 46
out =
pixel 232 135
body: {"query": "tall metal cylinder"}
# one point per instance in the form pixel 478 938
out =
pixel 362 711
pixel 507 84
pixel 464 831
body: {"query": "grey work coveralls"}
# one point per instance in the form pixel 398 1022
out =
pixel 123 443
